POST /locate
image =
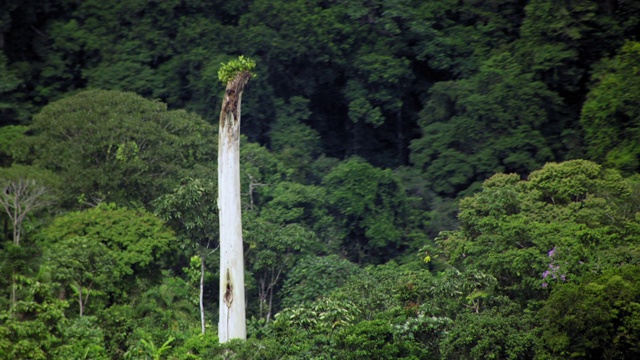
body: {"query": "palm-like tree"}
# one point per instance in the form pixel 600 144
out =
pixel 168 305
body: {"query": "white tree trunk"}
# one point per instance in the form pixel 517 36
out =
pixel 18 198
pixel 202 269
pixel 232 322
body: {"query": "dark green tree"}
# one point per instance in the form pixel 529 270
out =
pixel 610 117
pixel 191 209
pixel 115 146
pixel 493 122
pixel 499 333
pixel 561 39
pixel 314 277
pixel 596 319
pixel 292 140
pixel 9 136
pixel 273 250
pixel 370 205
pixel 86 268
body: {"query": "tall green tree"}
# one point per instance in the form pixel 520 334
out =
pixel 191 209
pixel 610 117
pixel 24 191
pixel 370 205
pixel 136 239
pixel 115 146
pixel 273 250
pixel 85 267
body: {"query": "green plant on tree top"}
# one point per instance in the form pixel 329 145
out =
pixel 229 70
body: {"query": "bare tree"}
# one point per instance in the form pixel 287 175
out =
pixel 232 321
pixel 19 198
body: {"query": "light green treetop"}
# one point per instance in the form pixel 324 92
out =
pixel 229 70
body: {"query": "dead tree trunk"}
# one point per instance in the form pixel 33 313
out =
pixel 232 322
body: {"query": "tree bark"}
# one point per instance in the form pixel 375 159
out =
pixel 232 322
pixel 14 289
pixel 80 302
pixel 202 269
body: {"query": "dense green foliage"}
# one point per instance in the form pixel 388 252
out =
pixel 126 141
pixel 610 116
pixel 433 179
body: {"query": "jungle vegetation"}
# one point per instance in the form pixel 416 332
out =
pixel 437 179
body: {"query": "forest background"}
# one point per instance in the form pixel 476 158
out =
pixel 421 179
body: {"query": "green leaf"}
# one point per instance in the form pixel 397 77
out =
pixel 232 68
